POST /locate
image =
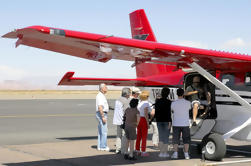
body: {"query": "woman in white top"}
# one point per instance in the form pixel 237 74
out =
pixel 142 129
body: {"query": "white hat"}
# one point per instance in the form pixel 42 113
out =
pixel 135 90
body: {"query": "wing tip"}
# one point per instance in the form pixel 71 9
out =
pixel 11 35
pixel 66 78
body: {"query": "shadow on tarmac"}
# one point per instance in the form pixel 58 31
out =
pixel 97 160
pixel 238 151
pixel 84 138
pixel 117 159
pixel 149 137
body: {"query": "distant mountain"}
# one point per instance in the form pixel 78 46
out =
pixel 24 85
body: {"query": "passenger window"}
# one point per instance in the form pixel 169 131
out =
pixel 248 79
pixel 225 81
pixel 241 82
pixel 228 80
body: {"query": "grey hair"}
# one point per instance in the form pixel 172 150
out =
pixel 101 86
pixel 125 92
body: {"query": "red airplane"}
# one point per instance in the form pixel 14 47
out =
pixel 158 64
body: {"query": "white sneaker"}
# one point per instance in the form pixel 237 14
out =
pixel 117 151
pixel 187 157
pixel 166 154
pixel 175 155
pixel 161 155
pixel 106 149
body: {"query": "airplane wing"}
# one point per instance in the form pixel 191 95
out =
pixel 103 48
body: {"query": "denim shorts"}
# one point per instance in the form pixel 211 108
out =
pixel 163 132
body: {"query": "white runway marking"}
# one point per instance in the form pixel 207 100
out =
pixel 46 115
pixel 80 104
pixel 227 162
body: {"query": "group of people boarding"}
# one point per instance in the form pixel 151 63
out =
pixel 133 114
pixel 137 119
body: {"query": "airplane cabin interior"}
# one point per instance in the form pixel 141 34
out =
pixel 205 112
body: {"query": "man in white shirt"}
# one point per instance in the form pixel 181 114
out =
pixel 102 109
pixel 121 104
pixel 180 109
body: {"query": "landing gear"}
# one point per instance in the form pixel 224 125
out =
pixel 213 147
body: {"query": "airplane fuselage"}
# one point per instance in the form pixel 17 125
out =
pixel 230 114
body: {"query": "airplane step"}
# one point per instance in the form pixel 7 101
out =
pixel 203 127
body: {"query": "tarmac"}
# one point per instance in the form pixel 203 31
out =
pixel 83 151
pixel 78 153
pixel 50 133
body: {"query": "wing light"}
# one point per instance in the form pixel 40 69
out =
pixel 58 32
pixel 105 48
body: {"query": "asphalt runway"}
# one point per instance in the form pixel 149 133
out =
pixel 39 121
pixel 27 122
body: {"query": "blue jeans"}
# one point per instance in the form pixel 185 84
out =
pixel 102 131
pixel 164 132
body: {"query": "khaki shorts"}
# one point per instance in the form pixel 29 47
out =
pixel 130 133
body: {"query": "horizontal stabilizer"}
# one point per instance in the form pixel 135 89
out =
pixel 160 80
pixel 68 79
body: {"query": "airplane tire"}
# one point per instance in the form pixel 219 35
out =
pixel 214 147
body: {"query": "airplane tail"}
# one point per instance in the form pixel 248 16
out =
pixel 140 26
pixel 141 29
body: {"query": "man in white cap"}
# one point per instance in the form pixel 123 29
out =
pixel 135 92
pixel 121 104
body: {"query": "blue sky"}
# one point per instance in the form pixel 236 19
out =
pixel 210 24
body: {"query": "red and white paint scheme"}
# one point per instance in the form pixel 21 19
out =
pixel 157 65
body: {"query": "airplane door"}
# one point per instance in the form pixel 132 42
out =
pixel 188 80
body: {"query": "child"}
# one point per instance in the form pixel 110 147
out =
pixel 132 118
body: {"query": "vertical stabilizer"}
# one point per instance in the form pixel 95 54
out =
pixel 141 29
pixel 140 26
